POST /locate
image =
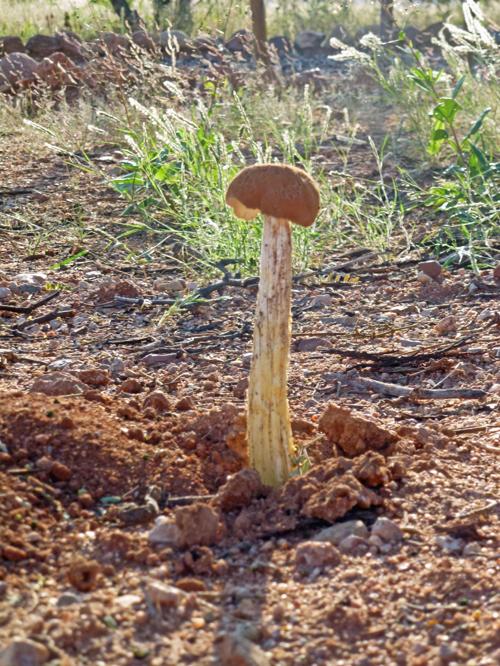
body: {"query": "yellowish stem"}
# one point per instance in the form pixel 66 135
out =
pixel 269 432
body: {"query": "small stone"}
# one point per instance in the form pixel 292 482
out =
pixel 191 585
pixel 157 360
pixel 430 268
pixel 338 532
pixel 94 377
pixel 131 385
pixel 60 472
pixel 185 404
pixel 310 555
pixel 128 600
pixel 246 359
pixel 5 293
pixel 449 544
pixel 158 594
pixel 58 383
pixel 446 325
pixel 24 652
pixel 173 287
pixel 165 533
pixel 353 545
pixel 375 541
pixel 471 549
pixel 134 514
pixel 239 490
pixel 84 574
pixel 198 524
pixel 173 40
pixel 312 344
pixel 13 554
pixel 387 530
pixel 496 273
pixel 157 401
pixel 321 301
pixel 67 599
pixel 235 650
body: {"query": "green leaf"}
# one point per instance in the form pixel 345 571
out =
pixel 438 136
pixel 477 124
pixel 68 260
pixel 458 86
pixel 446 109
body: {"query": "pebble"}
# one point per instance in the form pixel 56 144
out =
pixel 128 600
pixel 67 599
pixel 449 544
pixel 312 554
pixel 234 649
pixel 133 514
pixel 131 385
pixel 446 325
pixel 24 652
pixel 387 530
pixel 311 344
pixel 165 532
pixel 472 548
pixel 160 594
pixel 430 268
pixel 5 293
pixel 353 545
pixel 337 533
pixel 58 383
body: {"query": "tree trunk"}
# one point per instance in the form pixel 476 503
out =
pixel 259 28
pixel 387 22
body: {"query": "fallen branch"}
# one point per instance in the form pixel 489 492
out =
pixel 397 391
pixel 43 319
pixel 27 309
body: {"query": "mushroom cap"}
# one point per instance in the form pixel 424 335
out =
pixel 277 190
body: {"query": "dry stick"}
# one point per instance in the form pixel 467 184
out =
pixel 397 391
pixel 43 319
pixel 26 309
pixel 392 358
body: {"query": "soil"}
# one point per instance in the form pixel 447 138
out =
pixel 243 580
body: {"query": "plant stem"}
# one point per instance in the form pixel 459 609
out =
pixel 268 421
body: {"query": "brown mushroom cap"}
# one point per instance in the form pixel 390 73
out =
pixel 277 190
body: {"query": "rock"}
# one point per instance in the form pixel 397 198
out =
pixel 13 554
pixel 83 574
pixel 29 283
pixel 173 40
pixel 11 44
pixel 371 469
pixel 131 385
pixel 157 401
pixel 94 377
pixel 60 472
pixel 353 432
pixel 109 289
pixel 321 301
pixel 134 514
pixel 165 533
pixel 5 294
pixel 58 383
pixel 309 41
pixel 170 287
pixel 430 268
pixel 242 41
pixel 24 652
pixel 311 344
pixel 115 44
pixel 246 359
pixel 157 360
pixel 471 549
pixel 353 545
pixel 185 404
pixel 310 555
pixel 235 650
pixel 143 40
pixel 198 525
pixel 128 600
pixel 68 599
pixel 340 531
pixel 239 490
pixel 387 530
pixel 44 46
pixel 189 584
pixel 158 595
pixel 449 544
pixel 446 325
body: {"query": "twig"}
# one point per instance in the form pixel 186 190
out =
pixel 397 391
pixel 484 509
pixel 187 499
pixel 393 358
pixel 43 319
pixel 26 309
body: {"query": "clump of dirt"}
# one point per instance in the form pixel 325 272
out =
pixel 354 433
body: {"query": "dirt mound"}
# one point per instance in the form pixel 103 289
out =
pixel 111 449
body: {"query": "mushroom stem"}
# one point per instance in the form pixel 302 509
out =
pixel 268 422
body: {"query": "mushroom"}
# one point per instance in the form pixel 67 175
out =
pixel 283 194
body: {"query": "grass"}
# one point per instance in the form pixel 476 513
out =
pixel 434 161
